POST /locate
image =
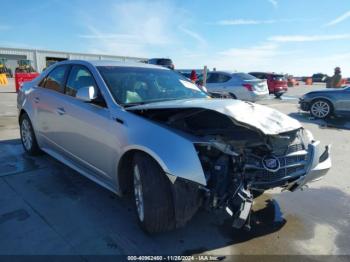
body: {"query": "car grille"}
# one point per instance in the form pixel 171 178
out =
pixel 292 164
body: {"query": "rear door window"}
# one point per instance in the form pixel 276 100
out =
pixel 212 78
pixel 217 78
pixel 223 78
pixel 56 78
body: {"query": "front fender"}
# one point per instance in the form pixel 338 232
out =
pixel 175 153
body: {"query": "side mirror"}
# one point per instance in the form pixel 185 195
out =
pixel 86 94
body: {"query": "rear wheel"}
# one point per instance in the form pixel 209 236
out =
pixel 28 138
pixel 153 196
pixel 321 108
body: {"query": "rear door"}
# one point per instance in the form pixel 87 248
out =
pixel 46 99
pixel 86 135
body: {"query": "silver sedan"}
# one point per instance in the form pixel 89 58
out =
pixel 237 85
pixel 146 130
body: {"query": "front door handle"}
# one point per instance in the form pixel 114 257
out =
pixel 61 111
pixel 36 100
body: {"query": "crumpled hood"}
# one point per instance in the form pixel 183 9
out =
pixel 268 120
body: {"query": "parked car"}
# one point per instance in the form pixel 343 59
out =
pixel 139 128
pixel 236 85
pixel 345 81
pixel 319 78
pixel 165 62
pixel 277 83
pixel 327 102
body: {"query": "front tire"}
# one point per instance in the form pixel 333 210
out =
pixel 153 195
pixel 321 109
pixel 28 138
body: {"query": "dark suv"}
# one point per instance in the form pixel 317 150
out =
pixel 319 78
pixel 277 83
pixel 166 62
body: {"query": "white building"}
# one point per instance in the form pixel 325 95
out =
pixel 41 58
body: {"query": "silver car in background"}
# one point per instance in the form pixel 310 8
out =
pixel 144 129
pixel 237 85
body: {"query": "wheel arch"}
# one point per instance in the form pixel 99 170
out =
pixel 124 168
pixel 184 207
pixel 21 113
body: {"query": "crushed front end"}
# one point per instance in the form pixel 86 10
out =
pixel 242 154
pixel 236 170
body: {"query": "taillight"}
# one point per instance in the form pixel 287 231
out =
pixel 249 87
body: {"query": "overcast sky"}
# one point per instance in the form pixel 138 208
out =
pixel 300 37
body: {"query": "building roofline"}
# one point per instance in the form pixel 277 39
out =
pixel 67 52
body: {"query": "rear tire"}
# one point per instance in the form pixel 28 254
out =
pixel 153 195
pixel 28 138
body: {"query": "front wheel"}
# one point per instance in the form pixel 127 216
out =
pixel 28 138
pixel 320 108
pixel 153 195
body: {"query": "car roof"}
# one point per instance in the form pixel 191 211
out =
pixel 227 72
pixel 112 63
pixel 267 73
pixel 159 58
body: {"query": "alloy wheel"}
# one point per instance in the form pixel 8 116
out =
pixel 26 134
pixel 138 193
pixel 320 109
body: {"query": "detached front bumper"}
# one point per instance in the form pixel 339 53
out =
pixel 314 163
pixel 319 165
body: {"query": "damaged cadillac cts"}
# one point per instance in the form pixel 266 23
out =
pixel 145 130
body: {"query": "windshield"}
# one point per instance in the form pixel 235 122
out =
pixel 133 85
pixel 278 77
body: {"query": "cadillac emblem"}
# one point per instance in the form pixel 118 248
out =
pixel 271 163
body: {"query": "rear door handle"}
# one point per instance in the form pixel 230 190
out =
pixel 61 111
pixel 36 100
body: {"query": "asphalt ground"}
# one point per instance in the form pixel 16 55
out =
pixel 46 208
